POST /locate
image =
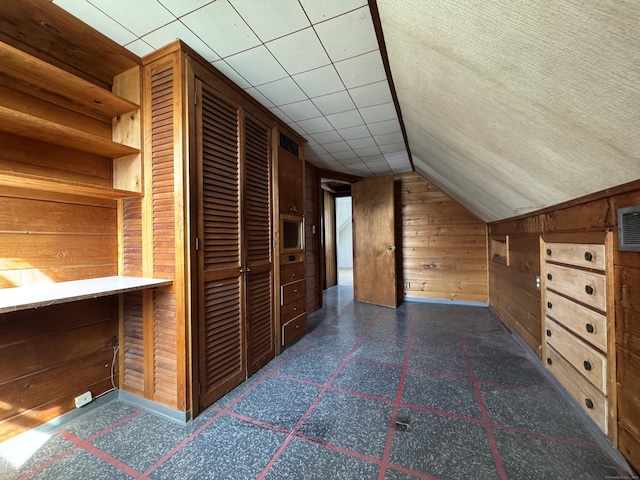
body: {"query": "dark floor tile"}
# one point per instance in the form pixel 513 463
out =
pixel 381 352
pixel 445 341
pixel 447 394
pixel 277 401
pixel 529 458
pixel 311 366
pixel 534 410
pixel 82 465
pixel 507 369
pixel 443 447
pixel 390 332
pixel 27 452
pixel 303 460
pixel 154 437
pixel 97 420
pixel 227 449
pixel 233 395
pixel 379 380
pixel 355 423
pixel 334 344
pixel 396 475
pixel 495 343
pixel 438 361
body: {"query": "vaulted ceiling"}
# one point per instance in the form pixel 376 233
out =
pixel 509 107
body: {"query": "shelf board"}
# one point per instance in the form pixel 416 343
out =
pixel 25 125
pixel 44 295
pixel 41 75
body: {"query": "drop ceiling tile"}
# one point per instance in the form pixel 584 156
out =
pixel 299 52
pixel 177 30
pixel 272 19
pixel 326 157
pixel 316 125
pixel 365 152
pixel 352 133
pixel 345 155
pixel 389 138
pixel 388 126
pixel 326 137
pixel 282 91
pixel 220 27
pixel 334 103
pixel 182 7
pixel 139 47
pixel 348 119
pixel 352 162
pixel 280 114
pixel 362 142
pixel 98 20
pixel 320 81
pixel 372 94
pixel 341 146
pixel 392 147
pixel 264 101
pixel 348 35
pixel 381 170
pixel 379 113
pixel 314 150
pixel 225 68
pixel 374 159
pixel 303 110
pixel 139 16
pixel 362 70
pixel 257 65
pixel 326 9
pixel 397 158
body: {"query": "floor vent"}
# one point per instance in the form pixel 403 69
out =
pixel 629 229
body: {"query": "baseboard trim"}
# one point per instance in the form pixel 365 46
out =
pixel 155 407
pixel 446 302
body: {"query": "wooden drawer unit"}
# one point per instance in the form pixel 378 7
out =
pixel 293 301
pixel 292 309
pixel 586 287
pixel 295 327
pixel 587 360
pixel 291 273
pixel 578 332
pixel 588 397
pixel 588 324
pixel 293 291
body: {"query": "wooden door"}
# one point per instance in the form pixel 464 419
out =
pixel 220 310
pixel 258 253
pixel 374 262
pixel 330 251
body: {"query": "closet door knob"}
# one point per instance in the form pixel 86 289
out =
pixel 588 403
pixel 549 305
pixel 589 328
pixel 588 289
pixel 588 256
pixel 548 332
pixel 549 361
pixel 549 276
pixel 587 365
pixel 549 251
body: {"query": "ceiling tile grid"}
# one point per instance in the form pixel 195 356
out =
pixel 315 65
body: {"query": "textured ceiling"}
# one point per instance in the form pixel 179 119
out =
pixel 511 106
pixel 314 64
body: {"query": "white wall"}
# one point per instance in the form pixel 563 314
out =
pixel 344 232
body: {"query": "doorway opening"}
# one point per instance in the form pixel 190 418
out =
pixel 344 241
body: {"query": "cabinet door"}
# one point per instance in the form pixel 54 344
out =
pixel 220 309
pixel 258 253
pixel 290 183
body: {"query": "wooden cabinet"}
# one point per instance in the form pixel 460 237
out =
pixel 293 301
pixel 290 183
pixel 578 325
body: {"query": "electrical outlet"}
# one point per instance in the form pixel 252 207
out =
pixel 82 400
pixel 407 285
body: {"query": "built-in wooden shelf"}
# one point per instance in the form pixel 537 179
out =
pixel 44 295
pixel 25 125
pixel 41 75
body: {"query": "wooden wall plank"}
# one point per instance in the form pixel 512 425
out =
pixel 312 193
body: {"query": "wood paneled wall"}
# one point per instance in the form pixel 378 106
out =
pixel 312 239
pixel 444 251
pixel 516 300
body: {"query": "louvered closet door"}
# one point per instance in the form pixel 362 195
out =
pixel 257 230
pixel 221 333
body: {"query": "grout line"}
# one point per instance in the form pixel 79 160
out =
pixel 545 436
pixel 114 425
pixel 483 409
pixel 413 473
pixel 48 463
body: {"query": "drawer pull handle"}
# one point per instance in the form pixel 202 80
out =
pixel 295 291
pixel 589 328
pixel 589 403
pixel 549 276
pixel 548 332
pixel 549 251
pixel 587 365
pixel 549 305
pixel 588 289
pixel 295 309
pixel 588 256
pixel 293 275
pixel 549 361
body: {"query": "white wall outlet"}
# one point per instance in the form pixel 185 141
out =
pixel 82 400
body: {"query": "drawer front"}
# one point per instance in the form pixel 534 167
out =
pixel 584 358
pixel 291 273
pixel 590 325
pixel 588 397
pixel 586 287
pixel 295 327
pixel 590 256
pixel 294 291
pixel 292 310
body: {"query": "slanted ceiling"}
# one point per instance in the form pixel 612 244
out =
pixel 512 106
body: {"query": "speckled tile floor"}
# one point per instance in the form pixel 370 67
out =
pixel 425 391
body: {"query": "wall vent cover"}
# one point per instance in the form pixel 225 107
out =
pixel 629 229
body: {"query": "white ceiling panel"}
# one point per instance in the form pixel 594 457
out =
pixel 373 94
pixel 334 103
pixel 139 16
pixel 379 113
pixel 257 65
pixel 182 7
pixel 367 151
pixel 337 147
pixel 388 138
pixel 319 11
pixel 303 110
pixel 259 97
pixel 225 68
pixel 348 35
pixel 327 137
pixel 315 125
pixel 347 119
pixel 299 52
pixel 362 142
pixel 387 126
pixel 392 147
pixel 140 47
pixel 282 92
pixel 344 155
pixel 322 81
pixel 362 70
pixel 177 30
pixel 272 19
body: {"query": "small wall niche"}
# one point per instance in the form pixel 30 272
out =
pixel 499 249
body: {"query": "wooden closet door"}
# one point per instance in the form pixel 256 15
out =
pixel 258 252
pixel 220 309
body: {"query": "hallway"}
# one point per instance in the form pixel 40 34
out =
pixel 424 391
